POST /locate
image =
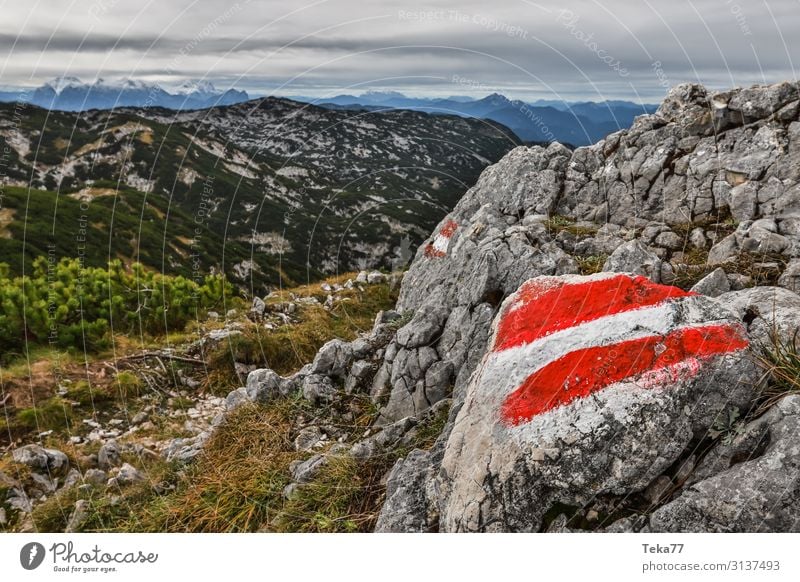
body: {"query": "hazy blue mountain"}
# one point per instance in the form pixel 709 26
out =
pixel 577 124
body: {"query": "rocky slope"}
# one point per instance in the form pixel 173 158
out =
pixel 704 193
pixel 275 191
pixel 601 328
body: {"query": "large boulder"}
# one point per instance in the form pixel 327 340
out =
pixel 591 385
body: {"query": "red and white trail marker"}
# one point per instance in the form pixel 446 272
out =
pixel 437 248
pixel 561 339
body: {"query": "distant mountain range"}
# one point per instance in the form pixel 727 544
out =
pixel 72 94
pixel 571 123
pixel 577 124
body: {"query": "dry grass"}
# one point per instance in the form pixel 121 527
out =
pixel 237 483
pixel 591 264
pixel 558 223
pixel 289 347
pixel 781 362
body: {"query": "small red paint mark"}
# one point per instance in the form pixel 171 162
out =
pixel 542 307
pixel 438 247
pixel 583 372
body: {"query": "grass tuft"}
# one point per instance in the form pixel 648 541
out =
pixel 591 264
pixel 781 362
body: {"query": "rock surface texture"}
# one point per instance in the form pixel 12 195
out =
pixel 709 185
pixel 591 386
pixel 581 400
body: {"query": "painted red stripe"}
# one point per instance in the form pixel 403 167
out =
pixel 582 372
pixel 541 308
pixel 447 231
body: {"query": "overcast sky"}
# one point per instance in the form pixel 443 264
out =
pixel 589 49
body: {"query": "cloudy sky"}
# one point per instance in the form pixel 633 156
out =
pixel 589 49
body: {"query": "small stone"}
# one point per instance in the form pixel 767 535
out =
pixel 739 281
pixel 78 517
pixel 45 484
pixel 376 277
pixel 318 389
pixel 305 471
pixel 95 477
pixel 139 418
pixel 258 307
pixel 669 240
pixel 698 239
pixel 790 279
pixel 128 474
pixel 634 257
pixel 308 439
pixel 714 284
pixel 72 478
pixel 37 457
pixel 290 490
pixel 236 398
pixel 109 455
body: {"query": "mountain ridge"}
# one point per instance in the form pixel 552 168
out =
pixel 297 190
pixel 573 123
pixel 72 94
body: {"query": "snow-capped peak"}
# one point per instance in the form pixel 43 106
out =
pixel 198 88
pixel 60 83
pixel 120 84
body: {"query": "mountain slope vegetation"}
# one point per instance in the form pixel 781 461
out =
pixel 270 191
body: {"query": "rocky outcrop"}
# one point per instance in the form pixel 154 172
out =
pixel 591 386
pixel 702 195
pixel 759 494
pixel 709 185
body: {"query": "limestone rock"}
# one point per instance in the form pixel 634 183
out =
pixel 333 359
pixel 109 455
pixel 36 457
pixel 263 385
pixel 635 407
pixel 790 278
pixel 405 509
pixel 634 257
pixel 714 284
pixel 761 494
pixel 309 438
pixel 78 517
pixel 766 311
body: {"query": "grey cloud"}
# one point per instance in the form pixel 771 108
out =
pixel 330 45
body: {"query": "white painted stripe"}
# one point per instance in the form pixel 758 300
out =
pixel 440 243
pixel 506 370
